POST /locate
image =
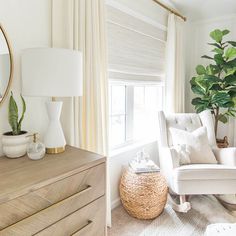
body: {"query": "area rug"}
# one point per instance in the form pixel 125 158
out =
pixel 205 210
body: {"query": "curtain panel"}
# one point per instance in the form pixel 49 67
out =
pixel 175 75
pixel 81 25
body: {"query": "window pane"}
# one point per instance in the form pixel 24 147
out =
pixel 145 111
pixel 118 100
pixel 117 130
pixel 139 99
pixel 133 112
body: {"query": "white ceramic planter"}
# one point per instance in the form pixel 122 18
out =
pixel 15 146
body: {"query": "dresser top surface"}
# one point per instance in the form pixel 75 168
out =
pixel 22 175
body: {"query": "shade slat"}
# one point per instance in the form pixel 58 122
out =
pixel 136 49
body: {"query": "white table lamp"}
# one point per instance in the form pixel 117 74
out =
pixel 52 72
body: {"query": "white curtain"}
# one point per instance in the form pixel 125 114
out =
pixel 80 25
pixel 175 76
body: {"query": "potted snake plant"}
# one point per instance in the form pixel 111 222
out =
pixel 215 84
pixel 15 141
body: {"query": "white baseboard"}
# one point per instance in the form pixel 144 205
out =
pixel 115 203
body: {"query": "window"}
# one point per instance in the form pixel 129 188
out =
pixel 133 112
pixel 136 61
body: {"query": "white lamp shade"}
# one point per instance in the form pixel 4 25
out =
pixel 51 72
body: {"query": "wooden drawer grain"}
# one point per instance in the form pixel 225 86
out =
pixel 87 221
pixel 49 204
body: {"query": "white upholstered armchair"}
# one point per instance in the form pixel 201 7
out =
pixel 194 179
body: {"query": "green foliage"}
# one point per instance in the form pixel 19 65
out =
pixel 215 84
pixel 13 115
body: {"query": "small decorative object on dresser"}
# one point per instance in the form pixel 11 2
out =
pixel 36 149
pixel 15 142
pixel 143 195
pixel 53 196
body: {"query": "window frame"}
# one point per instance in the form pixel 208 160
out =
pixel 129 108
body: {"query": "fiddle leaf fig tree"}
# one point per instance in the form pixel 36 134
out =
pixel 215 84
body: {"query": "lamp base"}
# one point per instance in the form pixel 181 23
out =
pixel 54 139
pixel 55 150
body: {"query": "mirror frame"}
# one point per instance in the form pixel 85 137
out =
pixel 11 65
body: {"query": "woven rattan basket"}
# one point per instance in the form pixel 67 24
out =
pixel 143 195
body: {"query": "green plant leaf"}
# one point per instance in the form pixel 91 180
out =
pixel 230 53
pixel 216 45
pixel 229 65
pixel 212 69
pixel 22 115
pixel 211 79
pixel 216 87
pixel 197 90
pixel 221 98
pixel 200 108
pixel 218 50
pixel 231 112
pixel 13 114
pixel 224 32
pixel 217 35
pixel 230 79
pixel 232 95
pixel 207 57
pixel 223 118
pixel 233 43
pixel 200 69
pixel 230 71
pixel 202 83
pixel 197 101
pixel 219 59
pixel 234 101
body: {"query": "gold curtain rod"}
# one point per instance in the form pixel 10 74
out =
pixel 170 9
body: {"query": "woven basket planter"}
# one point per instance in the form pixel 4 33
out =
pixel 222 143
pixel 143 195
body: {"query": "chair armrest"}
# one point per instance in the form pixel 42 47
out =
pixel 168 158
pixel 225 156
pixel 168 163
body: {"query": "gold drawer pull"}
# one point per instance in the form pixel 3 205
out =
pixel 82 228
pixel 87 188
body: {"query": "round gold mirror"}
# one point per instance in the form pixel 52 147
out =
pixel 6 65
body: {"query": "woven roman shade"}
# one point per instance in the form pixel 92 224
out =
pixel 136 45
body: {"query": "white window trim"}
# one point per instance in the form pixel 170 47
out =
pixel 130 147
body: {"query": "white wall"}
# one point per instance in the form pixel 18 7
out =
pixel 197 38
pixel 28 24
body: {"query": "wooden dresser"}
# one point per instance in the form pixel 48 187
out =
pixel 61 194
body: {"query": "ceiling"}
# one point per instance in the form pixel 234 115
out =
pixel 205 9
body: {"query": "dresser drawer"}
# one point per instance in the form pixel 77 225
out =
pixel 87 221
pixel 81 189
pixel 53 214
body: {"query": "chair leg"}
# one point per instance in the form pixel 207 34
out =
pixel 183 205
pixel 182 199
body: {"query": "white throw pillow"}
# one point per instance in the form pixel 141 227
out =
pixel 181 153
pixel 199 148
